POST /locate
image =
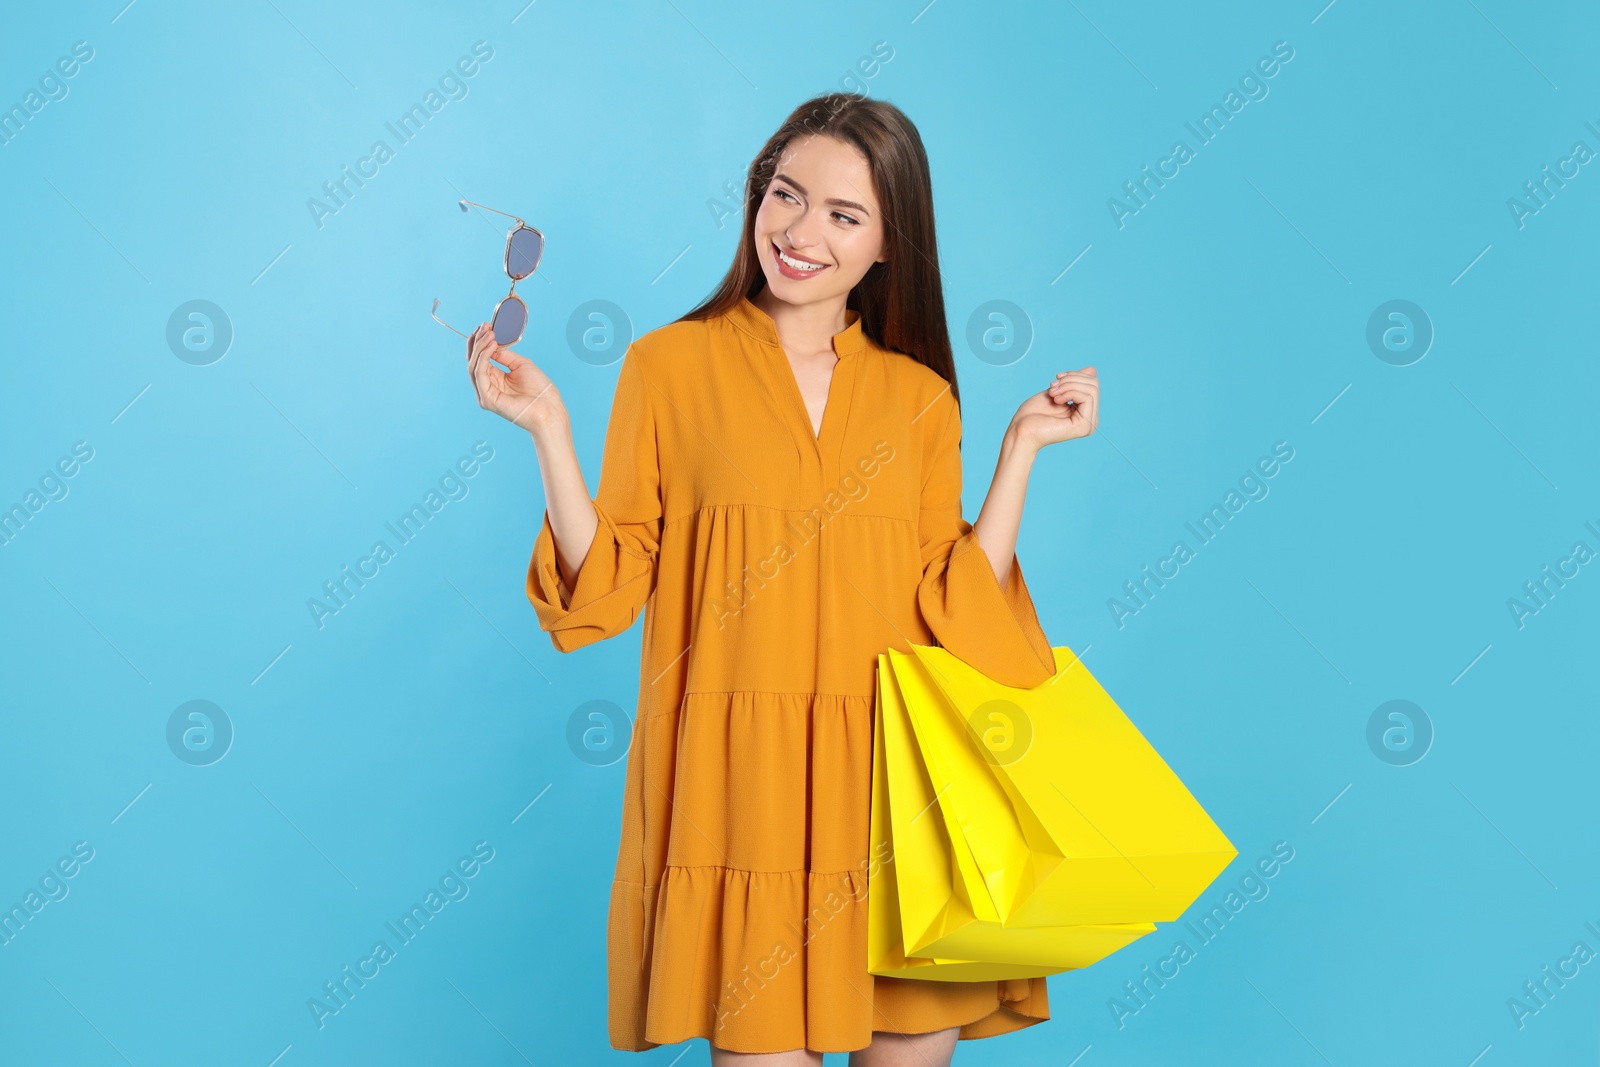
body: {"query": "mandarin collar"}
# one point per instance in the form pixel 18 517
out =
pixel 758 324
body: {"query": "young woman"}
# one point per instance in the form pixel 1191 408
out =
pixel 780 493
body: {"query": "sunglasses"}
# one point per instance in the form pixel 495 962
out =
pixel 524 249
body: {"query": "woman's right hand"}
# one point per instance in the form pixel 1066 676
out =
pixel 522 394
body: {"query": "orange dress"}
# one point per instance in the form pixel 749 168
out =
pixel 773 564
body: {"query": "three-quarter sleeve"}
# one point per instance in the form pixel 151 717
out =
pixel 993 629
pixel 618 575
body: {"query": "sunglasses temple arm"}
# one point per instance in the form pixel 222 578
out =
pixel 447 326
pixel 495 210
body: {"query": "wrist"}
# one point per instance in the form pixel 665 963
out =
pixel 549 431
pixel 1018 444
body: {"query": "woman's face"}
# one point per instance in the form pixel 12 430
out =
pixel 819 208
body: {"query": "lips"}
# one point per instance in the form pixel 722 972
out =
pixel 795 272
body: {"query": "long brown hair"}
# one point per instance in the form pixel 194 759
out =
pixel 901 300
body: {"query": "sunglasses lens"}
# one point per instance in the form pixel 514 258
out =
pixel 522 258
pixel 509 319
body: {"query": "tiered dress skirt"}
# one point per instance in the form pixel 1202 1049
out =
pixel 772 565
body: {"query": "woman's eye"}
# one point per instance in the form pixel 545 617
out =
pixel 837 214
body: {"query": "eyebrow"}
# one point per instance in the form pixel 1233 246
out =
pixel 832 200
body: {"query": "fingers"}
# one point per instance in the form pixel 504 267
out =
pixel 490 349
pixel 484 372
pixel 1085 377
pixel 1078 394
pixel 1088 409
pixel 481 337
pixel 1074 383
pixel 475 346
pixel 487 349
pixel 1080 397
pixel 511 359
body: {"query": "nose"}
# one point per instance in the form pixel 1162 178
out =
pixel 800 232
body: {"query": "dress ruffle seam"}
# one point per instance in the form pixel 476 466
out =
pixel 735 870
pixel 788 511
pixel 777 693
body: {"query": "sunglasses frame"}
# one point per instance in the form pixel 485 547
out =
pixel 506 263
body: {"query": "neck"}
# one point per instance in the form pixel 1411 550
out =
pixel 804 328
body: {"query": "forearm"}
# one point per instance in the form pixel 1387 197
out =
pixel 1000 519
pixel 573 520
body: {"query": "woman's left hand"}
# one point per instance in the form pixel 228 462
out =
pixel 1069 408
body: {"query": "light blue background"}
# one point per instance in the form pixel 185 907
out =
pixel 1229 314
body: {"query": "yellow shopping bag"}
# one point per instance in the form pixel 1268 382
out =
pixel 1030 828
pixel 920 878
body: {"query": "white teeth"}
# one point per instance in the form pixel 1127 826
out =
pixel 797 265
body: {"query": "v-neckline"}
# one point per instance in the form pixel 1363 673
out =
pixel 800 394
pixel 851 341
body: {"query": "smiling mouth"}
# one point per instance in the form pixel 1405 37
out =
pixel 796 266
